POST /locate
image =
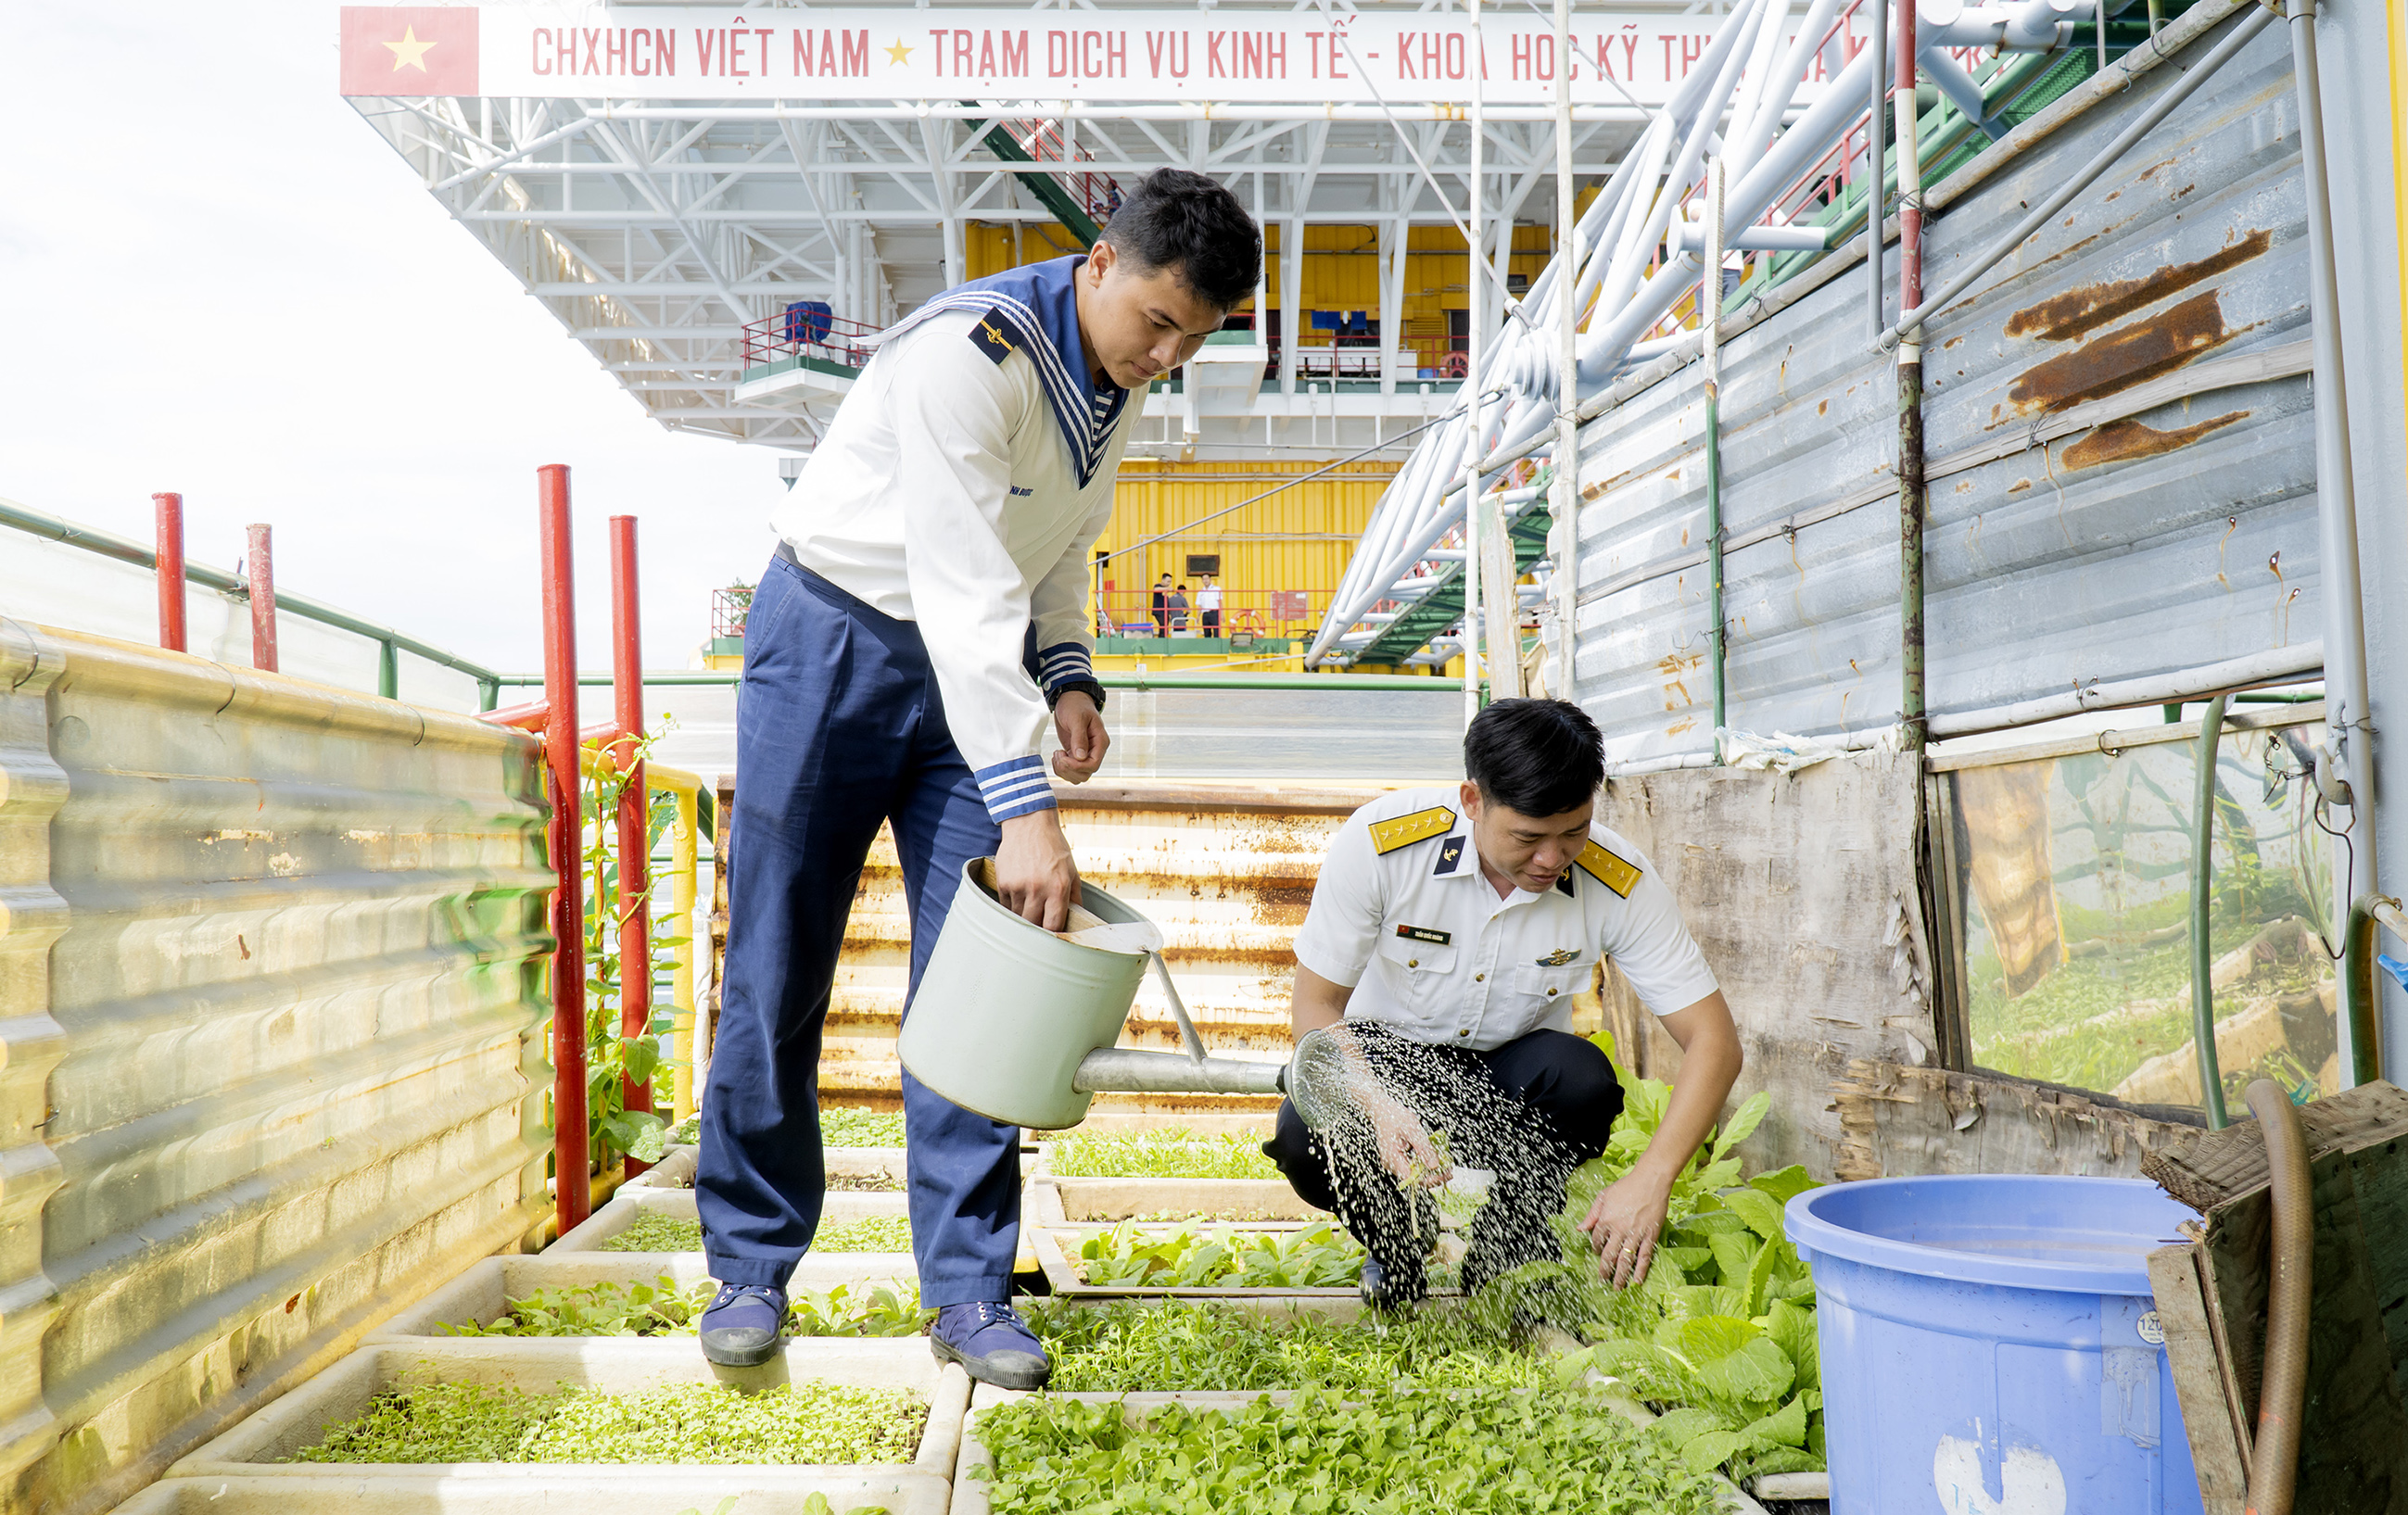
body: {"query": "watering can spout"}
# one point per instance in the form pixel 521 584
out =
pixel 1123 1070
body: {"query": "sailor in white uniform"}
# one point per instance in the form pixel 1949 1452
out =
pixel 926 606
pixel 1450 930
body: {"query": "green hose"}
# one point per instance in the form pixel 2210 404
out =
pixel 2202 875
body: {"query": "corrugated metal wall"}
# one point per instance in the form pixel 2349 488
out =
pixel 270 990
pixel 1225 870
pixel 1298 538
pixel 2159 326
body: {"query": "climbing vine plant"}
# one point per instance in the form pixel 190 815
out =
pixel 610 1057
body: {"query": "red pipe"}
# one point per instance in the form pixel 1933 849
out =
pixel 1910 200
pixel 263 599
pixel 571 1157
pixel 170 508
pixel 635 810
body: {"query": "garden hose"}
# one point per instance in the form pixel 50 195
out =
pixel 2282 1388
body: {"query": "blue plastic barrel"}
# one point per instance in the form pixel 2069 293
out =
pixel 1990 1346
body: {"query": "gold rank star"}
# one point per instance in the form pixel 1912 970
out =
pixel 410 53
pixel 898 53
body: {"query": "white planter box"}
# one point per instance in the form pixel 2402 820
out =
pixel 570 1494
pixel 256 1447
pixel 817 1270
pixel 675 1170
pixel 483 1292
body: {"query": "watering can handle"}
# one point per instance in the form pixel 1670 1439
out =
pixel 1194 1043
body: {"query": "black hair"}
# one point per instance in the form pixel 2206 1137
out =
pixel 1177 219
pixel 1540 757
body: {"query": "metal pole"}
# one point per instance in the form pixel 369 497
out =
pixel 635 810
pixel 2351 736
pixel 263 599
pixel 1710 294
pixel 170 511
pixel 1475 296
pixel 1910 502
pixel 388 669
pixel 2202 902
pixel 1564 501
pixel 1877 173
pixel 572 1191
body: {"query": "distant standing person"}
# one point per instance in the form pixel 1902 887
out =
pixel 1179 608
pixel 1162 605
pixel 1208 600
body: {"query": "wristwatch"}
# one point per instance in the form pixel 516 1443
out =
pixel 1088 687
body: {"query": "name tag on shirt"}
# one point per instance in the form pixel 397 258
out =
pixel 1426 934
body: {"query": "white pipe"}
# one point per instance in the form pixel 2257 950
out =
pixel 2346 698
pixel 1564 505
pixel 2156 689
pixel 1686 235
pixel 1957 85
pixel 1476 296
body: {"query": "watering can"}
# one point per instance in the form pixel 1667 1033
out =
pixel 1019 1024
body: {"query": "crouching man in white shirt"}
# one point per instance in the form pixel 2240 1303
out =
pixel 1450 929
pixel 927 604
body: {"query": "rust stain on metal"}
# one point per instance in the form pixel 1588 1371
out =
pixel 2125 357
pixel 2019 486
pixel 1675 669
pixel 2061 318
pixel 1679 727
pixel 2120 441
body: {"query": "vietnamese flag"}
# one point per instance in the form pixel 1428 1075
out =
pixel 409 49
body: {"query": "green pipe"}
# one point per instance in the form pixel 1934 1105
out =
pixel 125 549
pixel 388 669
pixel 2357 981
pixel 1914 506
pixel 2202 872
pixel 1716 631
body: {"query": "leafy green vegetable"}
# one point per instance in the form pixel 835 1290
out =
pixel 1318 1257
pixel 667 1309
pixel 1175 1153
pixel 1180 1346
pixel 651 1232
pixel 1466 1452
pixel 813 1422
pixel 844 1127
pixel 1720 1334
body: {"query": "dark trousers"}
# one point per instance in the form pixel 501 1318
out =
pixel 1212 622
pixel 838 727
pixel 1530 1111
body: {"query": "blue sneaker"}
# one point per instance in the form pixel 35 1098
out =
pixel 992 1341
pixel 742 1325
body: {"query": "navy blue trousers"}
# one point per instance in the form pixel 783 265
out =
pixel 838 726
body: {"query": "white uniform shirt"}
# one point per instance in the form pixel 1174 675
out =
pixel 944 493
pixel 1402 915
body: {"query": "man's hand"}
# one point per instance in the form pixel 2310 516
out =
pixel 1404 1144
pixel 1625 1223
pixel 1081 728
pixel 1033 871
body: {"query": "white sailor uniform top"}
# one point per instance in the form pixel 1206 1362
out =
pixel 1403 916
pixel 961 485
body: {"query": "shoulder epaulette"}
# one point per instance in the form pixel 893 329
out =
pixel 1405 830
pixel 994 336
pixel 1615 872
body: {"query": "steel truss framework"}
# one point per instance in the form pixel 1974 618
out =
pixel 655 233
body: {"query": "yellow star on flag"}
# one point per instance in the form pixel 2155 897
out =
pixel 410 53
pixel 898 53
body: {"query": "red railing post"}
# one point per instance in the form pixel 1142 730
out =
pixel 573 1193
pixel 634 809
pixel 170 508
pixel 263 599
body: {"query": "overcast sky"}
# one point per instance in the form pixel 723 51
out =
pixel 216 278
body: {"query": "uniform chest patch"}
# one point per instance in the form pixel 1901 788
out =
pixel 1426 934
pixel 993 335
pixel 1558 958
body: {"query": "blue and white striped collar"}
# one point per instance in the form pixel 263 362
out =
pixel 1038 304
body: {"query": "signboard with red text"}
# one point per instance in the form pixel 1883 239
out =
pixel 946 55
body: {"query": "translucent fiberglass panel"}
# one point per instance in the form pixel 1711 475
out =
pixel 2073 881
